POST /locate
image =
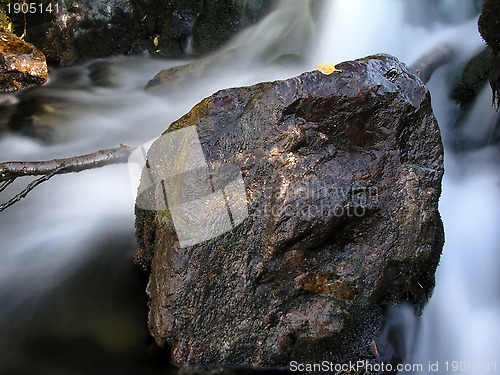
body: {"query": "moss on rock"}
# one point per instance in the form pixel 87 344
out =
pixel 489 27
pixel 489 24
pixel 473 78
pixel 5 22
pixel 21 64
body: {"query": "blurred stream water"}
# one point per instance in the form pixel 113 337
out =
pixel 71 301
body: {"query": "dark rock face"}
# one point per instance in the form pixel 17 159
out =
pixel 473 78
pixel 489 24
pixel 489 27
pixel 76 31
pixel 196 26
pixel 220 20
pixel 341 176
pixel 5 24
pixel 21 64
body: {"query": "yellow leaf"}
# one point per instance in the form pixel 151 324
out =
pixel 155 41
pixel 327 68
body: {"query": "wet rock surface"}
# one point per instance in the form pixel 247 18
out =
pixel 21 64
pixel 75 31
pixel 341 176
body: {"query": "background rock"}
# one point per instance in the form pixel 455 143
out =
pixel 75 31
pixel 342 176
pixel 5 24
pixel 21 64
pixel 489 24
pixel 473 78
pixel 79 30
pixel 489 27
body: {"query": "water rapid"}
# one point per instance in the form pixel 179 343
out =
pixel 70 299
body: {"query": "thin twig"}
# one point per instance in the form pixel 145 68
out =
pixel 6 183
pixel 14 169
pixel 10 171
pixel 33 184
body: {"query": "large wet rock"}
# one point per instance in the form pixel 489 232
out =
pixel 297 211
pixel 21 64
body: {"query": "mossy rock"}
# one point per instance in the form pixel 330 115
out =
pixel 489 24
pixel 489 27
pixel 5 22
pixel 473 78
pixel 220 20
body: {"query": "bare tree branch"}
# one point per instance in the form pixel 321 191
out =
pixel 430 61
pixel 14 169
pixel 10 171
pixel 6 183
pixel 33 184
pixel 427 64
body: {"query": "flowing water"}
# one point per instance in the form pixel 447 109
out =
pixel 71 301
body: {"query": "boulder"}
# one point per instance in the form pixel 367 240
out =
pixel 278 221
pixel 21 64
